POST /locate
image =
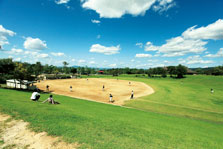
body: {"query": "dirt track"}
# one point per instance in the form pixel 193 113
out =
pixel 15 134
pixel 91 89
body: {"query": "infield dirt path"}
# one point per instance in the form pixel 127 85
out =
pixel 91 89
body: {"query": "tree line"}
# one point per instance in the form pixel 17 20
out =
pixel 26 71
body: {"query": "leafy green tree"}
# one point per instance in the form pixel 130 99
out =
pixel 172 70
pixel 181 71
pixel 73 70
pixel 65 64
pixel 38 68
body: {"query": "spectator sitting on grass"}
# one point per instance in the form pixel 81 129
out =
pixel 51 100
pixel 35 95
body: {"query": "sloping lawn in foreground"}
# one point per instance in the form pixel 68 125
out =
pixel 97 125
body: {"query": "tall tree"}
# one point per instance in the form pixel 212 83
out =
pixel 65 64
pixel 181 71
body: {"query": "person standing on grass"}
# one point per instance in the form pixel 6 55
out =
pixel 51 100
pixel 132 95
pixel 35 96
pixel 212 90
pixel 71 88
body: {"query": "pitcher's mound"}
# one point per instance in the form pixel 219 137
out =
pixel 92 89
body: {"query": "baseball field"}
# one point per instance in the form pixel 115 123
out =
pixel 92 89
pixel 181 113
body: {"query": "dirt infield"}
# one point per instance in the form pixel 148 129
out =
pixel 92 89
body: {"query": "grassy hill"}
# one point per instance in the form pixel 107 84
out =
pixel 181 114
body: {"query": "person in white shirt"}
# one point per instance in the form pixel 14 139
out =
pixel 132 95
pixel 35 96
pixel 110 98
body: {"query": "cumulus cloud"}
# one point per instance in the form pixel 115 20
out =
pixel 143 55
pixel 61 1
pixel 213 31
pixel 97 48
pixel 164 5
pixel 81 61
pixel 92 62
pixel 34 44
pixel 196 59
pixel 139 44
pixel 193 40
pixel 178 46
pixel 4 33
pixel 112 65
pixel 218 54
pixel 15 51
pixel 57 54
pixel 118 8
pixel 42 55
pixel 96 21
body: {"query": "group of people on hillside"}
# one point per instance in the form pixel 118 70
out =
pixel 36 95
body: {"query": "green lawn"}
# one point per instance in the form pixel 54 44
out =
pixel 188 97
pixel 159 120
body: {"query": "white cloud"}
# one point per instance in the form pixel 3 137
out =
pixel 112 65
pixel 96 21
pixel 33 53
pixel 92 62
pixel 34 44
pixel 218 54
pixel 81 61
pixel 73 60
pixel 61 1
pixel 3 35
pixel 42 55
pixel 213 31
pixel 139 44
pixel 118 8
pixel 57 54
pixel 150 47
pixel 164 5
pixel 195 60
pixel 143 55
pixel 178 46
pixel 132 60
pixel 191 41
pixel 15 51
pixel 97 48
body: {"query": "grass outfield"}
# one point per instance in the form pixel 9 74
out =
pixel 188 97
pixel 97 125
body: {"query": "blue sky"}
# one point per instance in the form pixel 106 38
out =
pixel 117 33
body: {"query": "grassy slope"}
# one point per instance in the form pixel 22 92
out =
pixel 97 125
pixel 189 97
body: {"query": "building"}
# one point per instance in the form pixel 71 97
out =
pixel 24 84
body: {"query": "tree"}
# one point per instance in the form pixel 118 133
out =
pixel 21 73
pixel 65 64
pixel 171 70
pixel 73 70
pixel 38 68
pixel 181 71
pixel 7 67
